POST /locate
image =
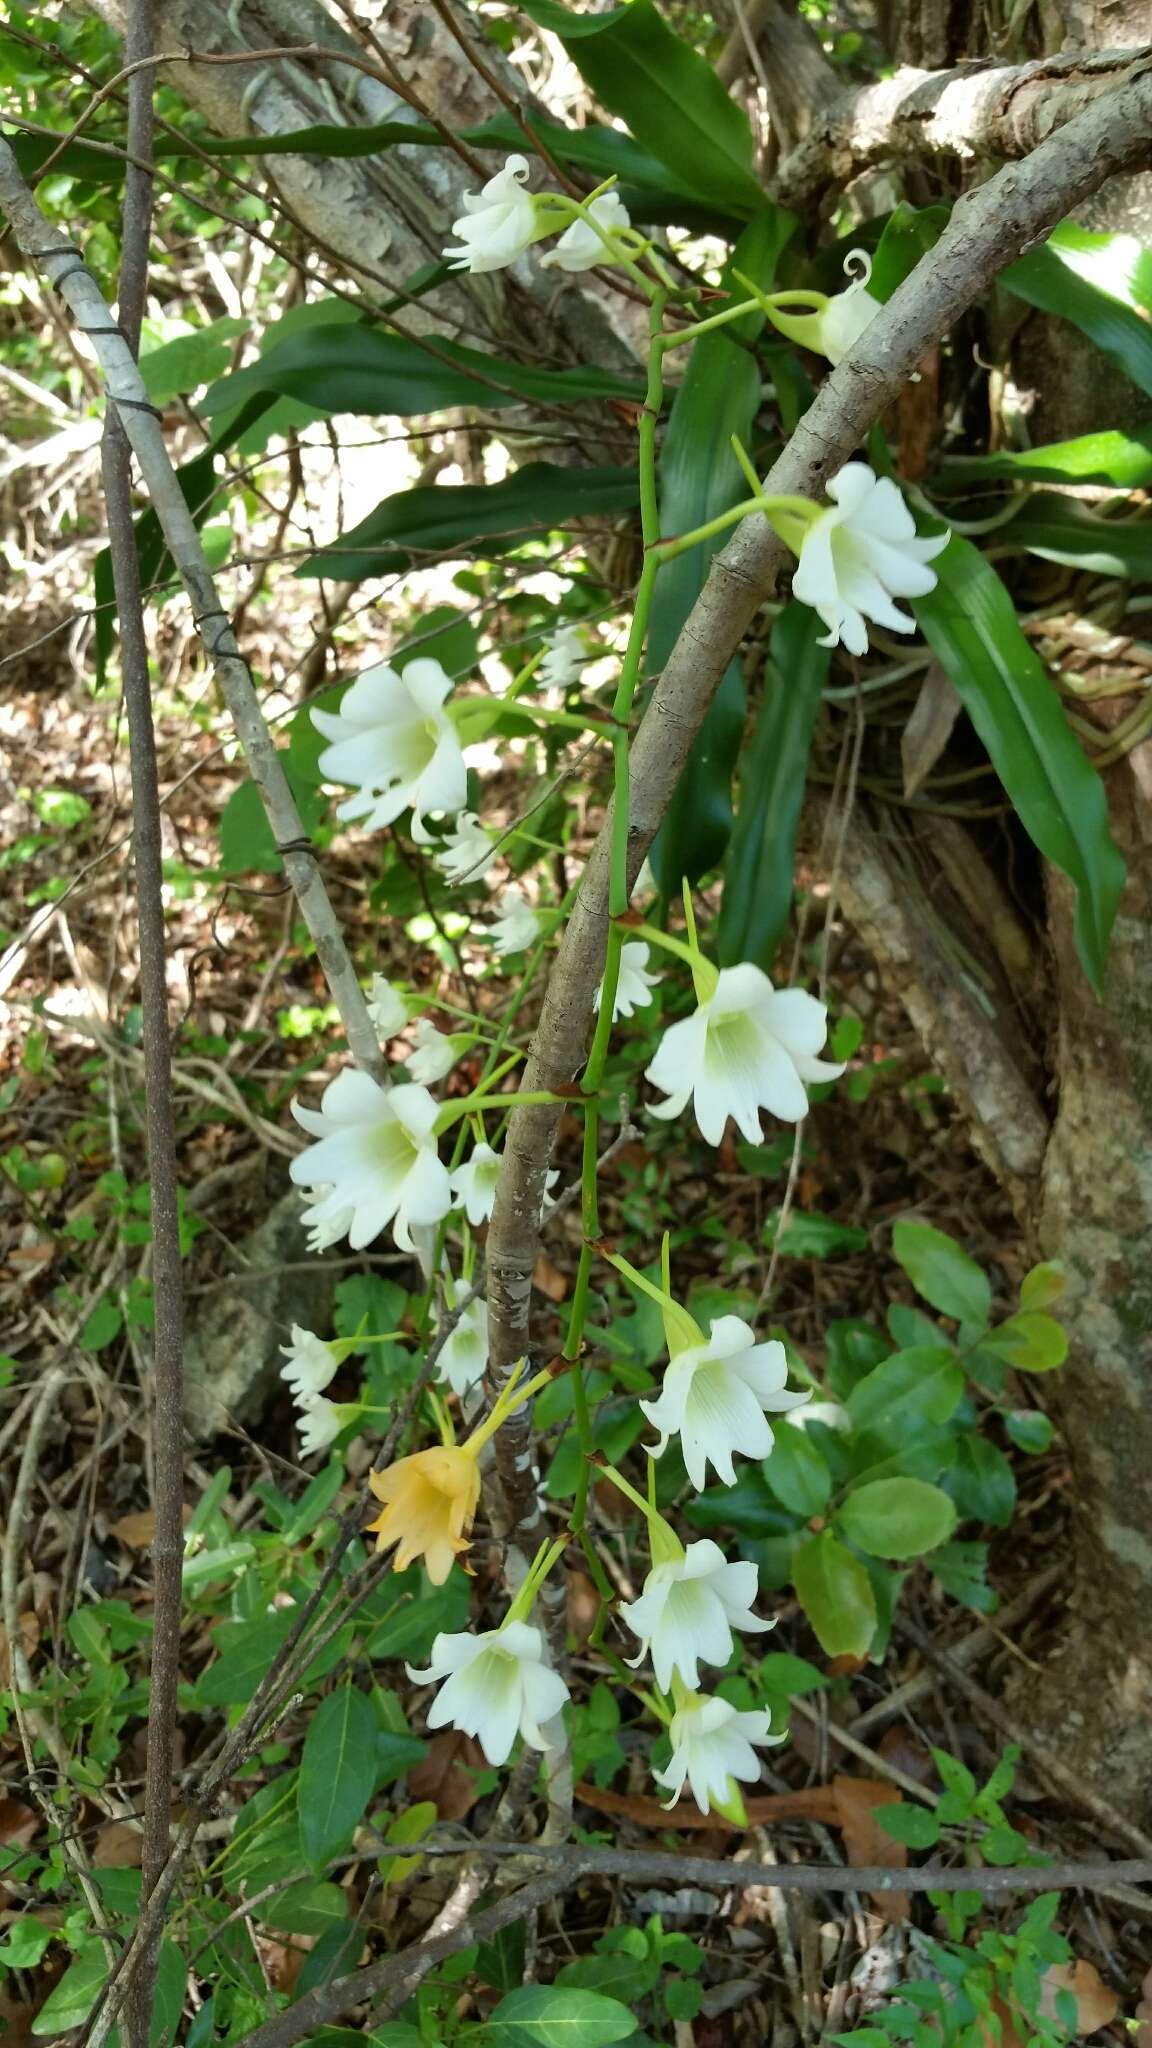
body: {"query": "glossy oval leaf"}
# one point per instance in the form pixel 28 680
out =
pixel 942 1273
pixel 547 2016
pixel 796 1472
pixel 836 1594
pixel 338 1773
pixel 897 1518
pixel 667 94
pixel 981 1482
pixel 913 1390
pixel 970 623
pixel 699 477
pixel 759 870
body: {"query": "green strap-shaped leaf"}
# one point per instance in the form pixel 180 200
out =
pixel 442 519
pixel 1065 530
pixel 1096 282
pixel 759 869
pixel 1105 458
pixel 338 1771
pixel 971 626
pixel 341 368
pixel 671 99
pixel 700 477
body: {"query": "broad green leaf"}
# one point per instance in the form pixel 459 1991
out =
pixel 970 623
pixel 961 1569
pixel 897 1517
pixel 796 1472
pixel 836 1594
pixel 182 365
pixel 981 1482
pixel 247 844
pixel 1029 1429
pixel 615 1431
pixel 854 1349
pixel 1031 1342
pixel 304 1909
pixel 70 2001
pixel 500 1962
pixel 1043 1285
pixel 911 1391
pixel 625 1977
pixel 247 1649
pixel 544 2016
pixel 1063 530
pixel 699 478
pixel 337 367
pixel 462 519
pixel 667 94
pixel 909 232
pixel 784 1675
pixel 197 481
pixel 102 1327
pixel 814 1236
pixel 750 1507
pixel 758 873
pixel 337 1772
pixel 421 1613
pixel 915 1826
pixel 1108 457
pixel 1099 283
pixel 943 1274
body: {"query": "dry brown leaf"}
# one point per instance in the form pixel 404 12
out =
pixel 445 1775
pixel 1143 2014
pixel 1096 2004
pixel 549 1279
pixel 30 1636
pixel 16 2024
pixel 583 1606
pixel 929 728
pixel 138 1530
pixel 19 1825
pixel 118 1846
pixel 865 1840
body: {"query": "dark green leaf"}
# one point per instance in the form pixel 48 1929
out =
pixel 814 1236
pixel 961 1569
pixel 338 1771
pixel 197 481
pixel 626 1977
pixel 750 1507
pixel 897 1517
pixel 304 1909
pixel 338 367
pixel 183 365
pixel 981 1482
pixel 395 1754
pixel 247 842
pixel 909 233
pixel 796 1472
pixel 913 1390
pixel 462 519
pixel 699 479
pixel 942 1272
pixel 500 1962
pixel 1060 278
pixel 758 872
pixel 615 1431
pixel 667 94
pixel 1064 530
pixel 1029 1429
pixel 854 1348
pixel 836 1594
pixel 422 1613
pixel 971 625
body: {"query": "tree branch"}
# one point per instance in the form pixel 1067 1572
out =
pixel 989 228
pixel 65 269
pixel 573 1866
pixel 973 110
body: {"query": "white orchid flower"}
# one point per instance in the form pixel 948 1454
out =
pixel 494 1686
pixel 376 1157
pixel 832 324
pixel 635 985
pixel 564 660
pixel 498 222
pixel 711 1745
pixel 393 741
pixel 474 1183
pixel 715 1397
pixel 467 852
pixel 860 553
pixel 518 925
pixel 464 1358
pixel 319 1421
pixel 748 1047
pixel 309 1364
pixel 580 247
pixel 688 1609
pixel 386 1007
pixel 435 1054
pixel 325 1222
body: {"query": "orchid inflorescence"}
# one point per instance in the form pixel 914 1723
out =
pixel 399 742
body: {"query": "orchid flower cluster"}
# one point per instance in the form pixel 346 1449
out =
pixel 746 1048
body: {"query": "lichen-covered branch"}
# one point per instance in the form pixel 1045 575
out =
pixel 989 228
pixel 65 269
pixel 997 111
